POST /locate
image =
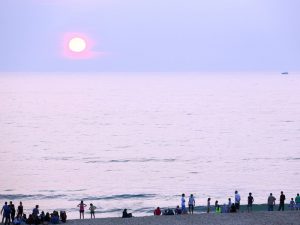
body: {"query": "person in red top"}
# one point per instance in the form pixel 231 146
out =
pixel 157 212
pixel 81 206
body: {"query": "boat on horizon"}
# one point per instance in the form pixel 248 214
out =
pixel 285 73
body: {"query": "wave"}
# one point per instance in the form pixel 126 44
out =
pixel 116 197
pixel 27 197
pixel 142 160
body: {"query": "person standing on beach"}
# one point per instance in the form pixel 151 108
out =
pixel 20 210
pixel 237 198
pixel 92 210
pixel 183 208
pixel 208 205
pixel 81 206
pixel 250 202
pixel 12 211
pixel 281 201
pixel 297 201
pixel 6 213
pixel 191 204
pixel 271 202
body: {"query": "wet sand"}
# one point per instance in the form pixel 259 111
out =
pixel 254 218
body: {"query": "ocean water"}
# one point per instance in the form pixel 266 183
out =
pixel 139 140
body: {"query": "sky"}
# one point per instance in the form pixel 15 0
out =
pixel 150 35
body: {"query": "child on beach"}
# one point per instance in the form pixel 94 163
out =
pixel 81 206
pixel 250 202
pixel 208 205
pixel 92 210
pixel 292 204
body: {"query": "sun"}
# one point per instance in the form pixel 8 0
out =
pixel 77 44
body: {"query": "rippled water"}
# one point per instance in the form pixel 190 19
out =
pixel 138 141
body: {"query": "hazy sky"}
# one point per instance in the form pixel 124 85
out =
pixel 151 35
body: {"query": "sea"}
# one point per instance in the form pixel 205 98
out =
pixel 140 140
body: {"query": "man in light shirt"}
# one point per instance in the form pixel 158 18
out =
pixel 237 198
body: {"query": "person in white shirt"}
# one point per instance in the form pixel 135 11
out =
pixel 183 208
pixel 237 200
pixel 191 204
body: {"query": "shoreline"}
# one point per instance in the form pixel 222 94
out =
pixel 253 218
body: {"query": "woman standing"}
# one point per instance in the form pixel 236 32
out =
pixel 81 206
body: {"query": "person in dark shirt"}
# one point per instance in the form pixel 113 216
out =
pixel 281 202
pixel 20 209
pixel 250 202
pixel 12 211
pixel 233 208
pixel 126 214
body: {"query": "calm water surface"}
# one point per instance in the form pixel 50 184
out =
pixel 138 141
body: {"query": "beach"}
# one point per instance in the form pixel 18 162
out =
pixel 254 218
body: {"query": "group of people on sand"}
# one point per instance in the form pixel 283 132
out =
pixel 9 216
pixel 230 207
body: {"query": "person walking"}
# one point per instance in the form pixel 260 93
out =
pixel 81 206
pixel 250 202
pixel 191 204
pixel 237 198
pixel 271 202
pixel 281 201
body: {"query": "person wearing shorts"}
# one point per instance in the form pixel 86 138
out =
pixel 81 206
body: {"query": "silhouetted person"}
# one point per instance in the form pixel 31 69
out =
pixel 233 208
pixel 12 211
pixel 208 205
pixel 20 210
pixel 281 201
pixel 125 214
pixel 250 202
pixel 271 202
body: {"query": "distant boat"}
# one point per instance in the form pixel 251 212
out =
pixel 285 73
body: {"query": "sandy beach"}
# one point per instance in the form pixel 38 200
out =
pixel 254 218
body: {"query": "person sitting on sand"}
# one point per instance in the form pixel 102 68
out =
pixel 54 219
pixel 63 216
pixel 271 202
pixel 292 204
pixel 81 206
pixel 208 205
pixel 47 217
pixel 178 210
pixel 191 204
pixel 92 210
pixel 233 208
pixel 126 214
pixel 157 212
pixel 168 212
